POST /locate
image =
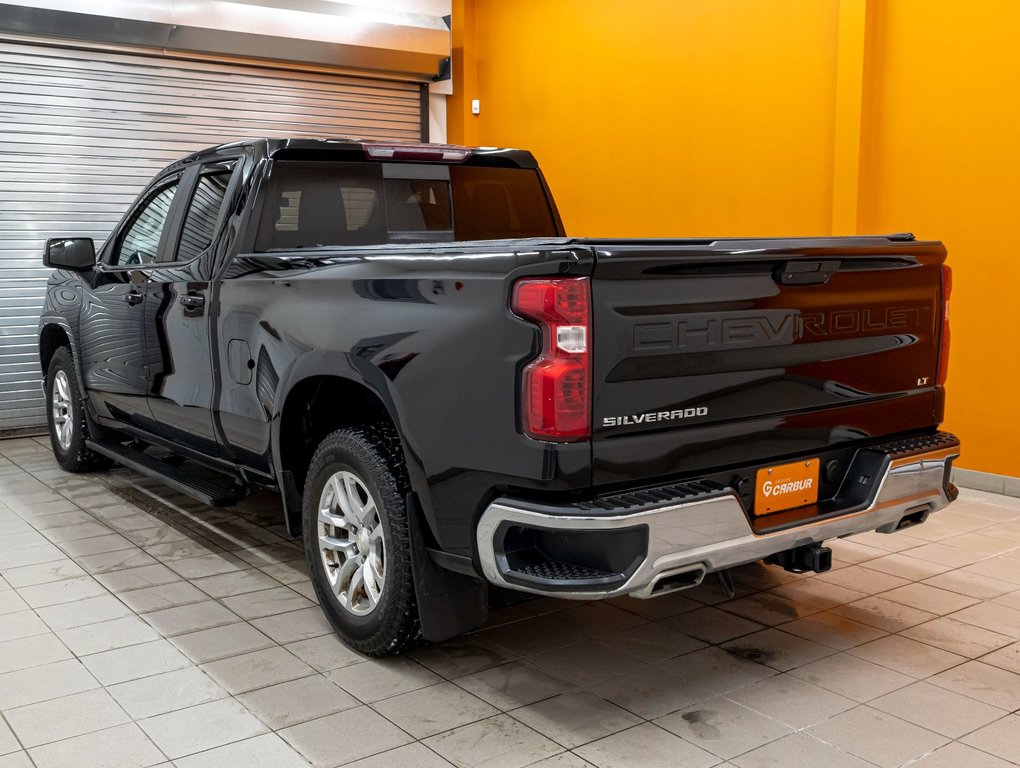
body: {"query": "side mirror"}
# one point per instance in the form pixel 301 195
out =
pixel 75 253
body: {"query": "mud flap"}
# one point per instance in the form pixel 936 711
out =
pixel 291 497
pixel 449 603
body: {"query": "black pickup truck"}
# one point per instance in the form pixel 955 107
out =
pixel 449 393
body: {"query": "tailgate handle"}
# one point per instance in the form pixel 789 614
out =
pixel 805 272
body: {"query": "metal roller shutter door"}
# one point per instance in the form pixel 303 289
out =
pixel 81 131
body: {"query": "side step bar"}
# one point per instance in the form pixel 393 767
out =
pixel 174 477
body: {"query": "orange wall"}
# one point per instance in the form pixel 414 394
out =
pixel 659 117
pixel 744 126
pixel 941 157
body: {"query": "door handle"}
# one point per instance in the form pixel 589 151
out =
pixel 193 300
pixel 134 298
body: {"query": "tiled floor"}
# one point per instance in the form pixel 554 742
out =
pixel 139 629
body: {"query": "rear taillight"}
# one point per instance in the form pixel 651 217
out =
pixel 947 289
pixel 556 386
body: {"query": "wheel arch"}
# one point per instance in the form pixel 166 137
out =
pixel 52 336
pixel 321 393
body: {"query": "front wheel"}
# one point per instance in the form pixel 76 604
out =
pixel 65 415
pixel 356 539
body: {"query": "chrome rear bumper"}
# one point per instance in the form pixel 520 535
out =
pixel 687 539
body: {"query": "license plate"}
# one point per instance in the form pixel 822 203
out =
pixel 786 486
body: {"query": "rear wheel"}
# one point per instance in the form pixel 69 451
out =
pixel 356 539
pixel 66 417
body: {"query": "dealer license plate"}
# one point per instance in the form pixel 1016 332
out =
pixel 786 486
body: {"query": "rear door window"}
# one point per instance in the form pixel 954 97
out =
pixel 200 221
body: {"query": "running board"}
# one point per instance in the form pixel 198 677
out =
pixel 174 477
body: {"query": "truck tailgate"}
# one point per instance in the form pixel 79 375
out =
pixel 714 354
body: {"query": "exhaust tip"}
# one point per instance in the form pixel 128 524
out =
pixel 674 581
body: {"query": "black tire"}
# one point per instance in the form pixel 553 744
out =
pixel 71 453
pixel 373 456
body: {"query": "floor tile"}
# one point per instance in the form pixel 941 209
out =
pixel 941 553
pixel 221 642
pixel 266 602
pixel 651 692
pixel 646 745
pixel 344 737
pixel 48 681
pixel 297 701
pixel 993 617
pixel 907 656
pixel 235 583
pixel 877 737
pixel 938 709
pixel 189 618
pixel 723 727
pixel 906 567
pixel 8 741
pixel 777 649
pixel 956 755
pixel 928 598
pixel 31 652
pixel 196 729
pixel 798 750
pixel 296 625
pixel 431 710
pixel 411 756
pixel 137 578
pixel 63 591
pixel 166 692
pixel 884 614
pixel 107 635
pixel 958 637
pixel 111 542
pixel 852 677
pixel 82 612
pixel 163 596
pixel 792 701
pixel 833 631
pixel 135 661
pixel 863 579
pixel 712 625
pixel 971 583
pixel 1005 658
pixel 43 573
pixel 62 718
pixel 378 679
pixel 327 652
pixel 768 609
pixel 651 642
pixel 21 624
pixel 983 682
pixel 197 561
pixel 122 747
pixel 257 669
pixel 498 742
pixel 576 718
pixel 265 751
pixel 1001 738
pixel 714 671
pixel 534 635
pixel 585 663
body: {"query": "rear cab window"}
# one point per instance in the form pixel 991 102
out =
pixel 333 203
